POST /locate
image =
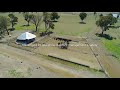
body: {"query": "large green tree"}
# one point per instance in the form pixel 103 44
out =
pixel 4 23
pixel 54 16
pixel 13 19
pixel 105 21
pixel 101 15
pixel 27 16
pixel 36 20
pixel 112 20
pixel 47 21
pixel 82 16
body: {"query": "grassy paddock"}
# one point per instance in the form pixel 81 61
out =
pixel 68 24
pixel 113 46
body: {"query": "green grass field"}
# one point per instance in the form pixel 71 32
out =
pixel 69 25
pixel 66 25
pixel 113 45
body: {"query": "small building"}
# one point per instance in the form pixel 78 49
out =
pixel 26 38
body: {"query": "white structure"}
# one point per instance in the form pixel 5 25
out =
pixel 115 15
pixel 26 36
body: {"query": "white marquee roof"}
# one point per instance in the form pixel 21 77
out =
pixel 26 35
pixel 115 15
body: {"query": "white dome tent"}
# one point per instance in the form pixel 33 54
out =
pixel 115 15
pixel 26 38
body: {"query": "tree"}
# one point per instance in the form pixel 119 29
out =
pixel 4 23
pixel 105 21
pixel 47 21
pixel 95 13
pixel 27 17
pixel 36 20
pixel 54 16
pixel 112 20
pixel 101 15
pixel 82 16
pixel 13 19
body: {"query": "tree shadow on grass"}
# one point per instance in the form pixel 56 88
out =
pixel 82 23
pixel 25 25
pixel 11 29
pixel 106 36
pixel 54 21
pixel 114 27
pixel 45 33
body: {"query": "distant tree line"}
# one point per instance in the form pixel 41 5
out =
pixel 36 19
pixel 104 22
